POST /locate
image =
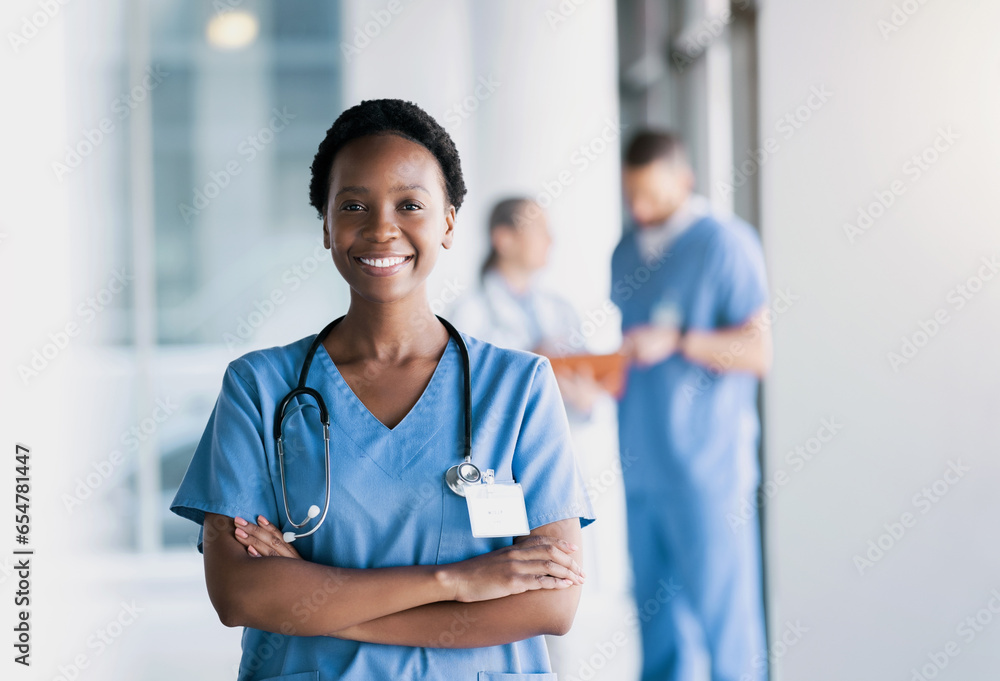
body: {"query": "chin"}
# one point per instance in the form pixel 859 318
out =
pixel 382 294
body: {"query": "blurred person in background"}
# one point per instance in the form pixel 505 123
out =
pixel 511 309
pixel 692 290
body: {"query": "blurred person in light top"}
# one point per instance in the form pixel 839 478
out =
pixel 693 294
pixel 510 309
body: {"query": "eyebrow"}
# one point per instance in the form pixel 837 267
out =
pixel 395 189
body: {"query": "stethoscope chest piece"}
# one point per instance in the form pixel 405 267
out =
pixel 462 474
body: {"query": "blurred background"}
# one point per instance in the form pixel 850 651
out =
pixel 155 225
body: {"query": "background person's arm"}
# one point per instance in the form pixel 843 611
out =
pixel 747 347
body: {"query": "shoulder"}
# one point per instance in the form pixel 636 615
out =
pixel 625 243
pixel 727 237
pixel 493 364
pixel 264 368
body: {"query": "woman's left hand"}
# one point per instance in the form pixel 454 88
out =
pixel 264 539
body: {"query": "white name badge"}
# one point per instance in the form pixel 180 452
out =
pixel 496 509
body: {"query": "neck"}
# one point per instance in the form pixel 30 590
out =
pixel 674 210
pixel 518 278
pixel 387 331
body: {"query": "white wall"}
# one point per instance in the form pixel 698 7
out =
pixel 902 425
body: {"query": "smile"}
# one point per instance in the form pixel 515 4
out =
pixel 385 262
pixel 383 267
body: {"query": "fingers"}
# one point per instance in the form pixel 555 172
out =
pixel 553 569
pixel 262 540
pixel 533 581
pixel 549 582
pixel 550 556
pixel 541 539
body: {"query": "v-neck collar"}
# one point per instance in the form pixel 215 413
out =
pixel 670 247
pixel 391 448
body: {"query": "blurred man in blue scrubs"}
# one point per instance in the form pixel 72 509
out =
pixel 692 290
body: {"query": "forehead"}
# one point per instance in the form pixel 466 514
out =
pixel 530 216
pixel 654 173
pixel 389 159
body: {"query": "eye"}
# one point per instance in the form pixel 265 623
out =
pixel 351 206
pixel 410 206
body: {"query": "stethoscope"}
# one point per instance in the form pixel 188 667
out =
pixel 456 477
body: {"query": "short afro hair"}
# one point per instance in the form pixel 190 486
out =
pixel 380 117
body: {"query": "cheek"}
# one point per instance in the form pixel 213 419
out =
pixel 338 248
pixel 428 256
pixel 640 207
pixel 338 252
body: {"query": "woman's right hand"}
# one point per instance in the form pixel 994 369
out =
pixel 536 562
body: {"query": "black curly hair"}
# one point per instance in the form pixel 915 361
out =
pixel 380 117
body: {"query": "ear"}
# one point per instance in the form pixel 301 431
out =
pixel 449 233
pixel 326 233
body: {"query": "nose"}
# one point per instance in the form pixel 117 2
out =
pixel 381 225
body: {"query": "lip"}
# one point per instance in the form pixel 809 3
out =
pixel 382 271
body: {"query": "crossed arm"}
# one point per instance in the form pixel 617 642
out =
pixel 520 591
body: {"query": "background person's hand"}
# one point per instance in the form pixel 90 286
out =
pixel 536 562
pixel 579 388
pixel 263 540
pixel 648 345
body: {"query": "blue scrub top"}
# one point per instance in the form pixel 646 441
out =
pixel 681 424
pixel 389 503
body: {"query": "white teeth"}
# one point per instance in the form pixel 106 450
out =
pixel 382 262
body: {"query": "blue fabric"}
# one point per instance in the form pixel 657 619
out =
pixel 689 438
pixel 389 503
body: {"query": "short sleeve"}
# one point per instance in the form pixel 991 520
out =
pixel 544 459
pixel 734 284
pixel 228 474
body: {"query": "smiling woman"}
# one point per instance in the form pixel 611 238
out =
pixel 392 582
